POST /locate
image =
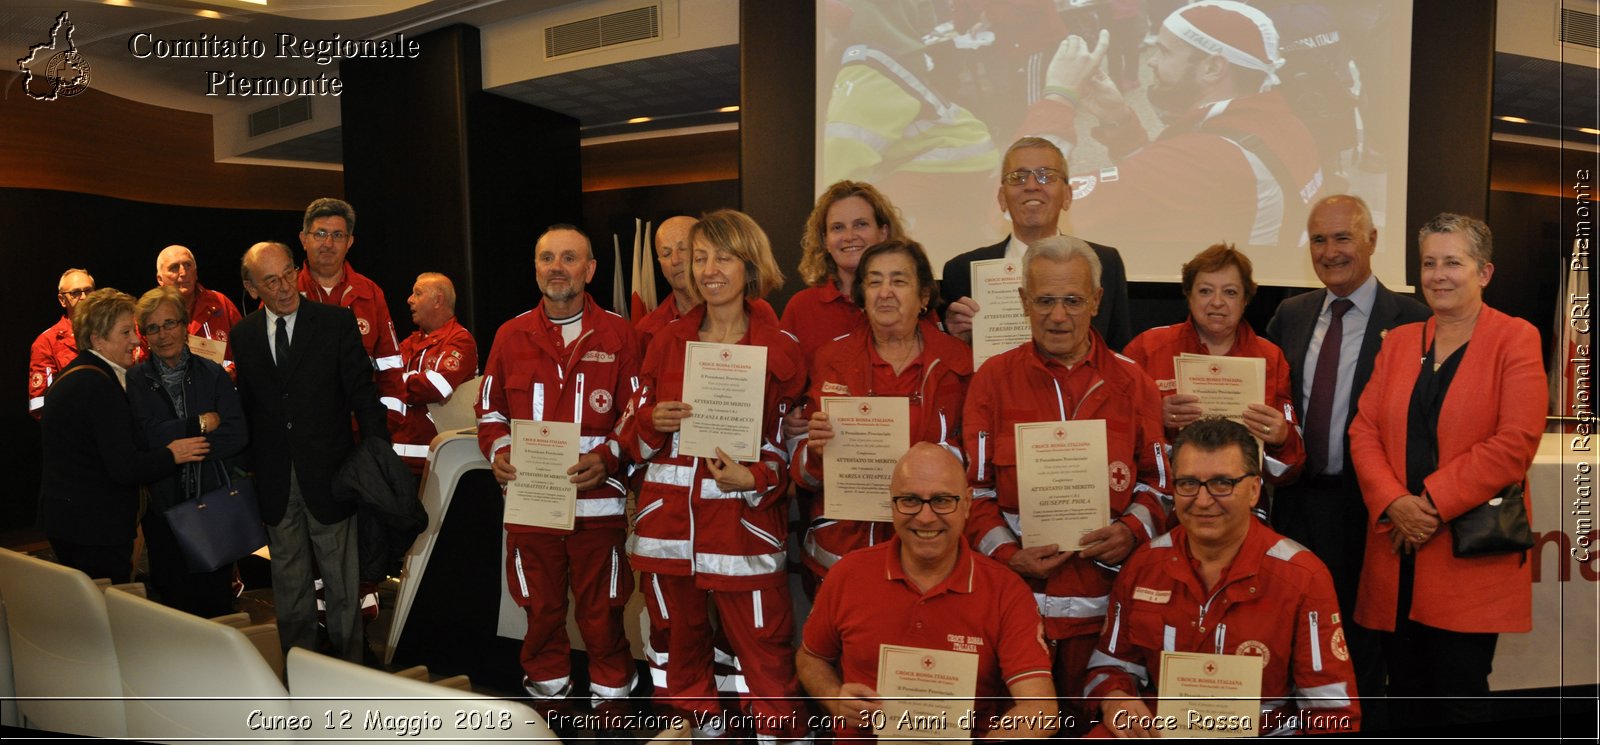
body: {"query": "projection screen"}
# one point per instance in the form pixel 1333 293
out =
pixel 921 98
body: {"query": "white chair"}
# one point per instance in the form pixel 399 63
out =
pixel 8 682
pixel 190 679
pixel 381 705
pixel 456 412
pixel 67 675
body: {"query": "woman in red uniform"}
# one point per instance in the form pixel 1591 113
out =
pixel 897 354
pixel 850 217
pixel 1217 283
pixel 714 526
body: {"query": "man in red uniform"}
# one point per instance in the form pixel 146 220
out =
pixel 672 252
pixel 567 360
pixel 56 347
pixel 439 355
pixel 1234 161
pixel 927 588
pixel 211 313
pixel 326 233
pixel 1224 583
pixel 1066 373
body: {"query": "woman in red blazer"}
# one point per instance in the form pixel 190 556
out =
pixel 1464 390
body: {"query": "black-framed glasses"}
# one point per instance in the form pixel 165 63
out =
pixel 77 294
pixel 942 504
pixel 151 329
pixel 1047 303
pixel 337 236
pixel 1020 176
pixel 288 277
pixel 1219 486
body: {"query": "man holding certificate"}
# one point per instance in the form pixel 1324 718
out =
pixel 553 383
pixel 1066 374
pixel 925 598
pixel 1224 584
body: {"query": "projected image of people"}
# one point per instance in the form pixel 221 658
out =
pixel 1211 120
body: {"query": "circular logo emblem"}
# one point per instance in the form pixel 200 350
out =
pixel 68 74
pixel 37 381
pixel 1121 477
pixel 1254 648
pixel 1338 646
pixel 726 356
pixel 600 401
pixel 221 335
pixel 927 662
pixel 1215 368
pixel 1211 668
pixel 544 431
pixel 866 408
pixel 452 363
pixel 361 323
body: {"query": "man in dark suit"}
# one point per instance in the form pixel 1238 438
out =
pixel 302 374
pixel 1331 337
pixel 1034 192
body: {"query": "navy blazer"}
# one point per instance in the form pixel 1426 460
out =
pixel 1113 321
pixel 300 416
pixel 206 388
pixel 89 489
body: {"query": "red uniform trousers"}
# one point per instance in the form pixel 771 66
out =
pixel 539 569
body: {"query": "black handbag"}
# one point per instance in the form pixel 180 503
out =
pixel 220 526
pixel 1498 526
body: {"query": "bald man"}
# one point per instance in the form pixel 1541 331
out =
pixel 211 314
pixel 439 356
pixel 672 253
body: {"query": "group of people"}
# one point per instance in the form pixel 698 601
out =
pixel 1312 530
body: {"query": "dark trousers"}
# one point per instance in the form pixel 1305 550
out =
pixel 1435 676
pixel 113 562
pixel 204 594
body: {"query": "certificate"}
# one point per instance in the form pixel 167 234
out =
pixel 1226 385
pixel 210 349
pixel 869 436
pixel 926 693
pixel 1211 695
pixel 1063 483
pixel 726 385
pixel 1000 324
pixel 541 495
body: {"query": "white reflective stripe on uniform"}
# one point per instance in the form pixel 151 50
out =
pixel 1330 696
pixel 658 548
pixel 721 656
pixel 1101 659
pixel 771 539
pixel 822 556
pixel 710 490
pixel 393 404
pixel 731 684
pixel 661 605
pixel 983 456
pixel 1142 513
pixel 757 617
pixel 522 581
pixel 577 401
pixel 1095 682
pixel 732 565
pixel 645 451
pixel 805 472
pixel 994 539
pixel 612 692
pixel 548 689
pixel 411 451
pixel 1162 541
pixel 1013 521
pixel 1161 466
pixel 1116 628
pixel 439 383
pixel 391 362
pixel 601 506
pixel 503 441
pixel 669 474
pixel 590 442
pixel 493 417
pixel 614 573
pixel 1275 467
pixel 1051 606
pixel 483 397
pixel 1316 642
pixel 538 402
pixel 983 493
pixel 35 403
pixel 1169 639
pixel 1285 549
pixel 1221 637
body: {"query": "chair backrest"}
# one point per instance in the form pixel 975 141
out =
pixel 66 668
pixel 387 706
pixel 186 677
pixel 8 682
pixel 456 411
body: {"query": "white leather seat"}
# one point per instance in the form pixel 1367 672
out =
pixel 381 705
pixel 191 679
pixel 456 412
pixel 61 647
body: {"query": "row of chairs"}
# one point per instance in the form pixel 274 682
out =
pixel 79 659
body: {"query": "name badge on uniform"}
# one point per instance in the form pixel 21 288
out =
pixel 1152 596
pixel 1170 384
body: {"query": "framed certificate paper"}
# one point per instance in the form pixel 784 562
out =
pixel 1000 324
pixel 542 495
pixel 926 693
pixel 1063 484
pixel 726 385
pixel 1211 695
pixel 869 437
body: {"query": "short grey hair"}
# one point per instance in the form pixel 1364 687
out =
pixel 1363 212
pixel 1031 142
pixel 1480 242
pixel 1061 249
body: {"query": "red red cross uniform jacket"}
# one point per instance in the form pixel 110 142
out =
pixel 212 316
pixel 434 365
pixel 685 524
pixel 1154 350
pixel 1023 385
pixel 364 298
pixel 51 352
pixel 818 315
pixel 1275 601
pixel 936 383
pixel 532 374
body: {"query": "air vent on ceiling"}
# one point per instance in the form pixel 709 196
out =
pixel 638 24
pixel 280 116
pixel 1581 28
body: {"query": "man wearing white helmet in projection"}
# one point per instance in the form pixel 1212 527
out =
pixel 1233 163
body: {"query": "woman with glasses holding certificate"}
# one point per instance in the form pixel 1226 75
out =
pixel 896 356
pixel 711 517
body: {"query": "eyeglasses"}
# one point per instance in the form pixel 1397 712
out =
pixel 155 328
pixel 1220 486
pixel 1047 303
pixel 337 236
pixel 942 504
pixel 278 281
pixel 79 294
pixel 1044 176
